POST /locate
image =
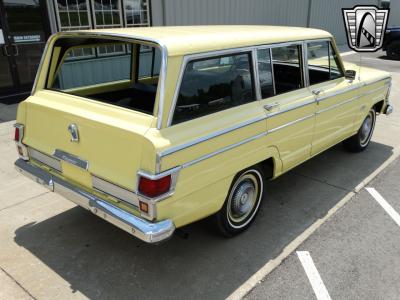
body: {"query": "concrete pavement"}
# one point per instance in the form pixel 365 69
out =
pixel 53 249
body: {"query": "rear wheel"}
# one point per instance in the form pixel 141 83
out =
pixel 242 203
pixel 361 139
pixel 393 50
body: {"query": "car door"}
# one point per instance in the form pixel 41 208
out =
pixel 335 96
pixel 287 101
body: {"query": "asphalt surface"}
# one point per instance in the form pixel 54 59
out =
pixel 356 252
pixel 49 248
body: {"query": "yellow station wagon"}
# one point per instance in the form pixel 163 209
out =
pixel 155 128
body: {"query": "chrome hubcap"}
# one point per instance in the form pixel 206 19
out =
pixel 366 129
pixel 243 198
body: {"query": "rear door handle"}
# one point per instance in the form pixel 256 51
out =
pixel 271 106
pixel 316 92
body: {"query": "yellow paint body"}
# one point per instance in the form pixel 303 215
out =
pixel 117 142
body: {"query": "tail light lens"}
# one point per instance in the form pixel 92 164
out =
pixel 153 188
pixel 18 133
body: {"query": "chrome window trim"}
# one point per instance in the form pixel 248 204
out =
pixel 187 58
pixel 272 69
pixel 196 56
pixel 163 68
pixel 256 75
pixel 304 56
pixel 330 47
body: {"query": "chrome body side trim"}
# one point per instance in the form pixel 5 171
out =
pixel 290 108
pixel 373 91
pixel 72 159
pixel 224 149
pixel 210 136
pixel 150 232
pixel 291 123
pixel 258 119
pixel 337 105
pixel 45 159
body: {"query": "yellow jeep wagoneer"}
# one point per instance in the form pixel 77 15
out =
pixel 155 128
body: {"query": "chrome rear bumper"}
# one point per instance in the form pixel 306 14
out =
pixel 138 227
pixel 389 109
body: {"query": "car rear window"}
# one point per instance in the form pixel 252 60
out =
pixel 116 72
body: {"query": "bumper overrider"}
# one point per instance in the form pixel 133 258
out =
pixel 145 230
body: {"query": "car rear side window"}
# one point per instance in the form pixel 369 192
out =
pixel 287 68
pixel 214 84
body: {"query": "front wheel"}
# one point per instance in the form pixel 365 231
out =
pixel 393 50
pixel 361 139
pixel 242 203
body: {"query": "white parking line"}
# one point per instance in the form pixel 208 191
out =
pixel 313 275
pixel 385 205
pixel 347 53
pixel 270 265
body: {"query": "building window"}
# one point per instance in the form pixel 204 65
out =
pixel 107 13
pixel 76 14
pixel 73 14
pixel 136 13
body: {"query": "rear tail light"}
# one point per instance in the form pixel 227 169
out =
pixel 18 132
pixel 18 136
pixel 154 187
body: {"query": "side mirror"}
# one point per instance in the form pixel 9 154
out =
pixel 350 74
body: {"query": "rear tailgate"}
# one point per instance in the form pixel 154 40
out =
pixel 111 141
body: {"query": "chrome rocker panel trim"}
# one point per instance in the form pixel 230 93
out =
pixel 138 227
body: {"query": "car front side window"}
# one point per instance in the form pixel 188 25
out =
pixel 322 62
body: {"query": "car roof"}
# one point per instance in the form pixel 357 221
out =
pixel 182 40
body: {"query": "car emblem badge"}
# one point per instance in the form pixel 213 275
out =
pixel 365 27
pixel 73 130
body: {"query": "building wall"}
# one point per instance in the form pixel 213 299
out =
pixel 325 14
pixel 394 16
